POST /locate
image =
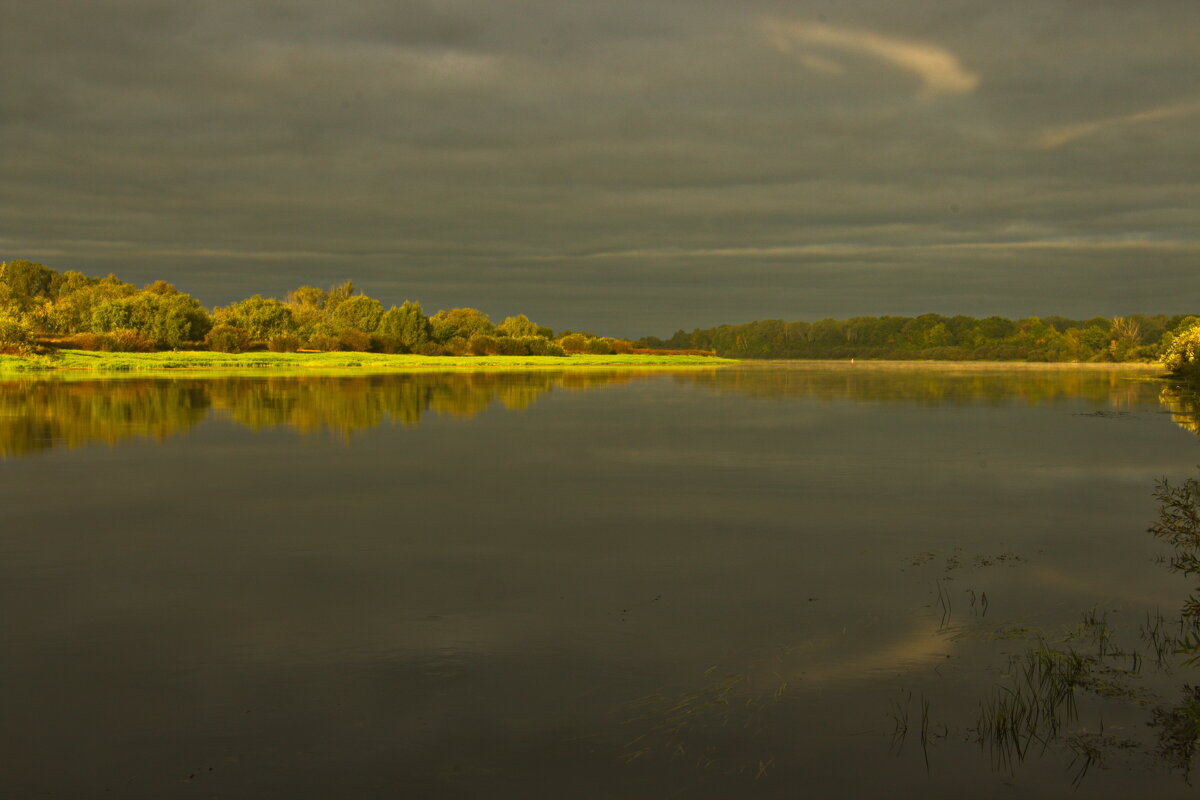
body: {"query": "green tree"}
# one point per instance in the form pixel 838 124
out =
pixel 993 330
pixel 306 296
pixel 338 295
pixel 307 305
pixel 27 283
pixel 261 317
pixel 359 312
pixel 78 297
pixel 1126 334
pixel 168 319
pixel 459 323
pixel 938 336
pixel 518 327
pixel 407 325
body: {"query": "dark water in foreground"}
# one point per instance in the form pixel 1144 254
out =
pixel 749 582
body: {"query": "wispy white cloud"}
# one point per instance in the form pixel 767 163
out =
pixel 1057 137
pixel 820 64
pixel 836 250
pixel 938 69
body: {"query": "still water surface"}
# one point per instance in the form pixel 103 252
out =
pixel 755 581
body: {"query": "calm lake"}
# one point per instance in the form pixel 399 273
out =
pixel 764 580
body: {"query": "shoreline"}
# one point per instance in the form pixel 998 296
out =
pixel 966 365
pixel 86 362
pixel 193 361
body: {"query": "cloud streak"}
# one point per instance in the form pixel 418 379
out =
pixel 1057 137
pixel 938 69
pixel 852 250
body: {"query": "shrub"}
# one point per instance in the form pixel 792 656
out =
pixel 574 343
pixel 322 342
pixel 83 341
pixel 599 347
pixel 429 349
pixel 483 345
pixel 455 346
pixel 387 344
pixel 540 346
pixel 283 343
pixel 125 340
pixel 122 340
pixel 1182 353
pixel 354 340
pixel 227 339
pixel 1145 352
pixel 16 335
pixel 508 346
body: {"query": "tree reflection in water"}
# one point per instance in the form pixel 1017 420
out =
pixel 935 384
pixel 38 415
pixel 1184 405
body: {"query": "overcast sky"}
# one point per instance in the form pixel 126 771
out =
pixel 625 166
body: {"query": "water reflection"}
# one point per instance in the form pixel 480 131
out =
pixel 649 590
pixel 37 415
pixel 1056 693
pixel 941 384
pixel 1184 405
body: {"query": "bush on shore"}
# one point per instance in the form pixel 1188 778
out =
pixel 121 340
pixel 228 339
pixel 16 335
pixel 1182 356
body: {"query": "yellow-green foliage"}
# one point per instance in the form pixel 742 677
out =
pixel 1182 356
pixel 16 336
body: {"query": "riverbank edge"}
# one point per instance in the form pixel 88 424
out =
pixel 968 365
pixel 93 362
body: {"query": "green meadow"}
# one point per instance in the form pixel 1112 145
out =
pixel 95 361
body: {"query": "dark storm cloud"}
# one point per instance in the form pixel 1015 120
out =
pixel 624 166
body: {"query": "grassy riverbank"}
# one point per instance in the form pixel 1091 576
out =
pixel 92 361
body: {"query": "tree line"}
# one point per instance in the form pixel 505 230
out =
pixel 42 308
pixel 1138 337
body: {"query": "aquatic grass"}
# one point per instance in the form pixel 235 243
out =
pixel 899 716
pixel 1034 704
pixel 1153 632
pixel 1033 709
pixel 944 603
pixel 1179 731
pixel 981 600
pixel 666 720
pixel 928 732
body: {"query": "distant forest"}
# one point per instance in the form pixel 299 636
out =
pixel 1138 337
pixel 42 309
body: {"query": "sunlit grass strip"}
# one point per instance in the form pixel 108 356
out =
pixel 176 360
